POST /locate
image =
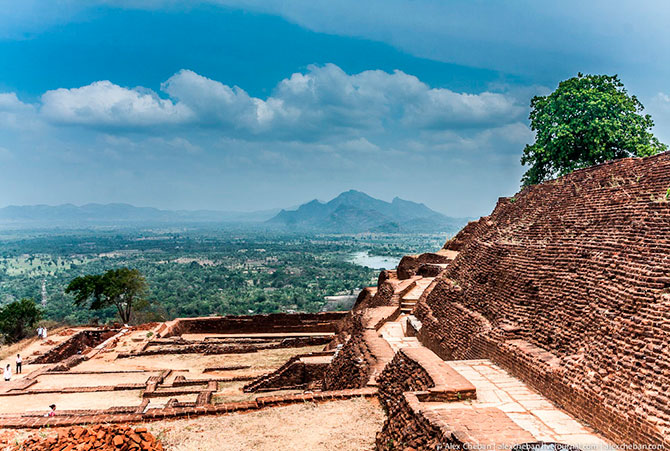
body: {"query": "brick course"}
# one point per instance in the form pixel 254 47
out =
pixel 567 286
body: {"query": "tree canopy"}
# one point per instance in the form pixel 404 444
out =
pixel 121 287
pixel 18 319
pixel 587 120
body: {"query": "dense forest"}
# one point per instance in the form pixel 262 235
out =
pixel 196 272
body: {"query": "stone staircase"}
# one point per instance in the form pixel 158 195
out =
pixel 410 298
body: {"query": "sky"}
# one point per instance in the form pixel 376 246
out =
pixel 250 105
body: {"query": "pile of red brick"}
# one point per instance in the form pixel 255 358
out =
pixel 98 437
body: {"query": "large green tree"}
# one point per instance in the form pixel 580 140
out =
pixel 121 287
pixel 18 319
pixel 587 120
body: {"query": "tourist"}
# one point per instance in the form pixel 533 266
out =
pixel 52 412
pixel 8 372
pixel 44 332
pixel 19 363
pixel 39 332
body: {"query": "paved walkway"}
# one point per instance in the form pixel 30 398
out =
pixel 524 406
pixel 500 398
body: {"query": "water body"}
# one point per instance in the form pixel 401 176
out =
pixel 374 261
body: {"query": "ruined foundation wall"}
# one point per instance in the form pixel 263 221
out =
pixel 272 323
pixel 567 285
pixel 350 367
pixel 404 426
pixel 75 345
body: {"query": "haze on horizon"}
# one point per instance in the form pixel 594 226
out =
pixel 242 105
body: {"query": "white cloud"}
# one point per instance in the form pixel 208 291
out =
pixel 213 102
pixel 322 102
pixel 9 102
pixel 105 104
pixel 14 114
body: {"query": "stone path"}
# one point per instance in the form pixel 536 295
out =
pixel 524 406
pixel 505 411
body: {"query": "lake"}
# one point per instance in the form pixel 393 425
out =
pixel 374 261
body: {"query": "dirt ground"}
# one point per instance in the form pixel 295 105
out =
pixel 55 381
pixel 260 362
pixel 297 427
pixel 69 401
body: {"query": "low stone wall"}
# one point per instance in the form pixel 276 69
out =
pixel 410 265
pixel 417 375
pixel 327 322
pixel 361 358
pixel 297 372
pixel 63 419
pixel 407 429
pixel 75 345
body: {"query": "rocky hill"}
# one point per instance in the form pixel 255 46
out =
pixel 354 212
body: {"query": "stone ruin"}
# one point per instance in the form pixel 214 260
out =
pixel 546 321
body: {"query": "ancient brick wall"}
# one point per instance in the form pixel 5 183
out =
pixel 399 376
pixel 350 368
pixel 271 323
pixel 404 427
pixel 76 344
pixel 567 285
pixel 295 373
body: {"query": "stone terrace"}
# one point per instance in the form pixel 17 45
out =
pixel 115 380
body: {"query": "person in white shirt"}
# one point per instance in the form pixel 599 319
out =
pixel 44 332
pixel 39 332
pixel 19 363
pixel 8 373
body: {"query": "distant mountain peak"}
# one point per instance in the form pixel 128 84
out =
pixel 354 211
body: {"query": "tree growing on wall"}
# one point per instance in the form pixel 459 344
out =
pixel 18 319
pixel 587 120
pixel 123 288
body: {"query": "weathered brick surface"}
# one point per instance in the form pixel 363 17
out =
pixel 410 264
pixel 361 358
pixel 174 410
pixel 76 344
pixel 416 376
pixel 294 373
pixel 568 287
pixel 271 323
pixel 98 437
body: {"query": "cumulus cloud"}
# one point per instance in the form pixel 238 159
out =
pixel 9 102
pixel 15 114
pixel 323 101
pixel 105 104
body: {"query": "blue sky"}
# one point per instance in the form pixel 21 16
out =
pixel 244 105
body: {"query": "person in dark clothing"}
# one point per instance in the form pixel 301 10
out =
pixel 19 363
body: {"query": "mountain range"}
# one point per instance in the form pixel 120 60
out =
pixel 350 212
pixel 355 212
pixel 119 214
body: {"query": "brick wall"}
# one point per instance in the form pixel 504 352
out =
pixel 76 344
pixel 567 285
pixel 271 323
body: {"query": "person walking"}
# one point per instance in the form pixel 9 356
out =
pixel 39 332
pixel 44 332
pixel 8 372
pixel 51 412
pixel 19 363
